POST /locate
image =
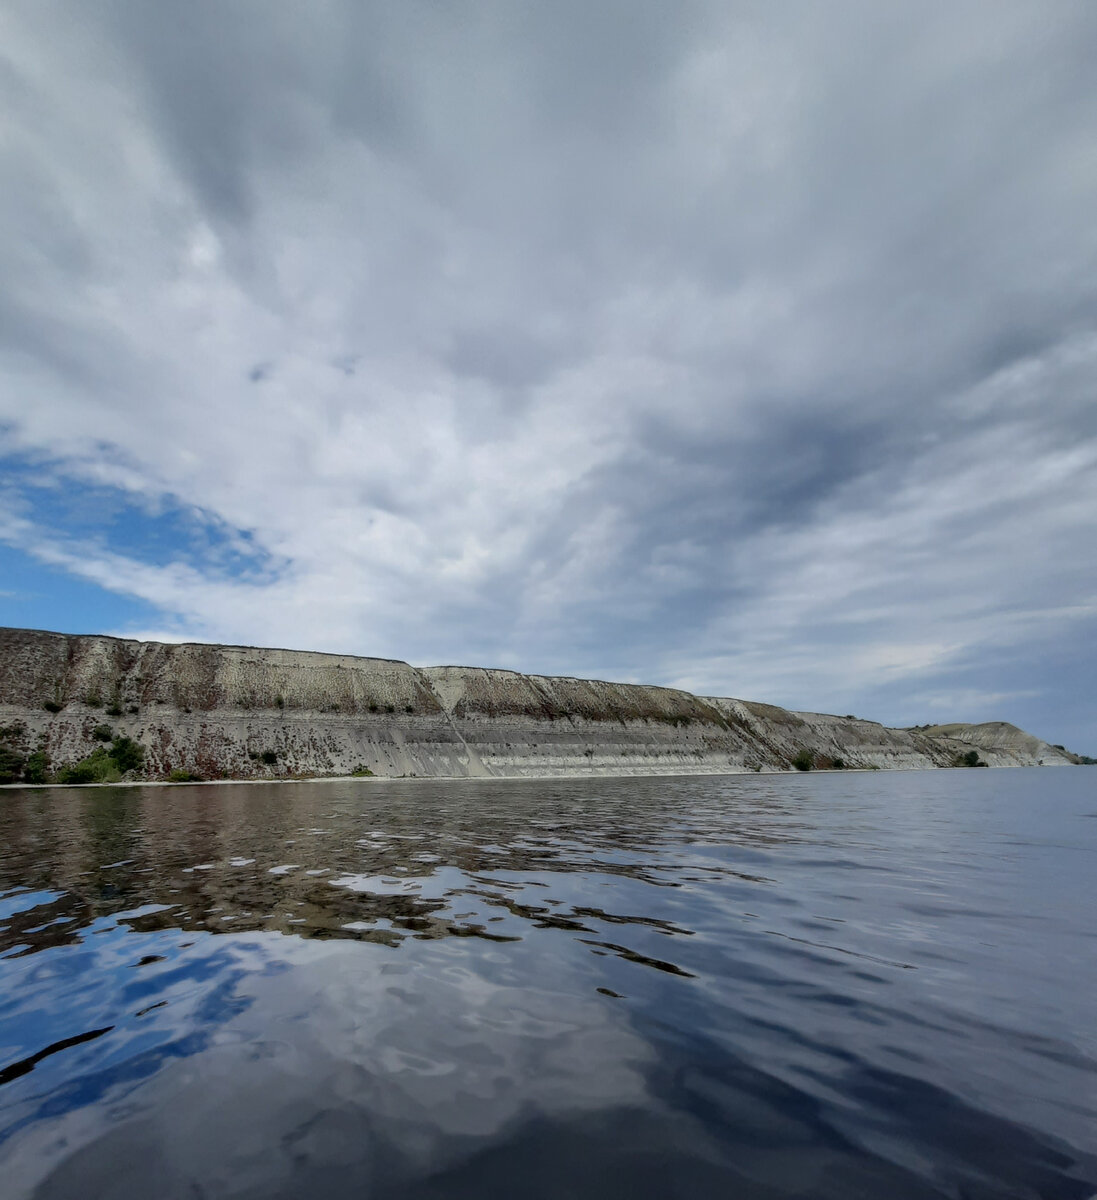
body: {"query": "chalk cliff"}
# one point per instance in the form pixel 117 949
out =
pixel 244 712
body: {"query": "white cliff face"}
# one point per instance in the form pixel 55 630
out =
pixel 244 712
pixel 1003 745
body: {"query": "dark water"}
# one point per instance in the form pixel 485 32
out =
pixel 869 985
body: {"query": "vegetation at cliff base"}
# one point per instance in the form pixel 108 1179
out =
pixel 16 765
pixel 37 767
pixel 11 765
pixel 806 761
pixel 105 765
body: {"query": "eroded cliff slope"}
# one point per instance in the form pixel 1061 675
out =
pixel 243 712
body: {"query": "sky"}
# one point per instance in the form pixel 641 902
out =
pixel 744 347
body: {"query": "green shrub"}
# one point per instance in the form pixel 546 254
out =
pixel 180 775
pixel 390 708
pixel 81 772
pixel 11 765
pixel 102 733
pixel 12 759
pixel 128 754
pixel 409 708
pixel 839 764
pixel 51 706
pixel 803 761
pixel 104 765
pixel 37 768
pixel 98 767
pixel 970 759
pixel 270 757
pixel 115 710
pixel 94 700
pixel 361 771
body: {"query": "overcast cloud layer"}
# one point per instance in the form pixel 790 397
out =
pixel 745 347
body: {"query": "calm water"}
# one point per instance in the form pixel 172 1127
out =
pixel 866 985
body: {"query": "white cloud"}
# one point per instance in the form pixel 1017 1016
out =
pixel 754 351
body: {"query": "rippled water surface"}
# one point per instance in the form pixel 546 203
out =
pixel 850 985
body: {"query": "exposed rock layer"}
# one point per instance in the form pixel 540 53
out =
pixel 217 710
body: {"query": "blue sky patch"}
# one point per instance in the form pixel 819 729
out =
pixel 36 596
pixel 155 531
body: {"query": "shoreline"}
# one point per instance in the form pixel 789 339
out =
pixel 373 779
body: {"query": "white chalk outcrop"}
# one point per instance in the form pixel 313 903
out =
pixel 226 711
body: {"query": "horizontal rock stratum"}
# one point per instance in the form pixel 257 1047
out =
pixel 247 713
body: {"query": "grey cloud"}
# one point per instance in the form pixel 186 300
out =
pixel 508 356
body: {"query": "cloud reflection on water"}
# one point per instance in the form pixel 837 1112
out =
pixel 665 987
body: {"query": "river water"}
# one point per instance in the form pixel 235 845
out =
pixel 841 985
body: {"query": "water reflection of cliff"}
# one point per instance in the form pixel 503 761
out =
pixel 377 862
